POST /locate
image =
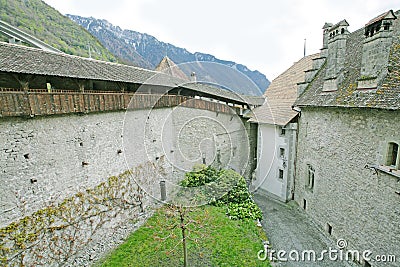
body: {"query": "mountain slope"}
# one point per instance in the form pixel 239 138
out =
pixel 47 24
pixel 146 51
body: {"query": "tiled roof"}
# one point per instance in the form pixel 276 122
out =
pixel 225 94
pixel 169 67
pixel 21 59
pixel 340 23
pixel 385 96
pixel 380 17
pixel 27 60
pixel 282 93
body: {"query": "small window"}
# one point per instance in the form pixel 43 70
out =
pixel 386 26
pixel 310 177
pixel 282 131
pixel 280 174
pixel 304 204
pixel 282 153
pixel 392 157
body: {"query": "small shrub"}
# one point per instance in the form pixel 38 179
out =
pixel 244 210
pixel 239 192
pixel 201 175
pixel 228 184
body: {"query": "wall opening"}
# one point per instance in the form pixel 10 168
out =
pixel 310 177
pixel 386 26
pixel 282 131
pixel 329 228
pixel 280 174
pixel 392 154
pixel 282 152
pixel 304 204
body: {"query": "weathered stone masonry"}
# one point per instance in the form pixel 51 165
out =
pixel 359 204
pixel 46 160
pixel 83 159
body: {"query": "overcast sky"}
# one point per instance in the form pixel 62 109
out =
pixel 264 35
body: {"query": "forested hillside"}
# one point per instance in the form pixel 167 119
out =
pixel 47 24
pixel 99 39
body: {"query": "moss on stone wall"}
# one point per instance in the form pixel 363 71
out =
pixel 56 233
pixel 393 78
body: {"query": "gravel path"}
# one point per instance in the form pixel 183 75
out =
pixel 289 228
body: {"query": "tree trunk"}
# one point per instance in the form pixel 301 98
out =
pixel 183 227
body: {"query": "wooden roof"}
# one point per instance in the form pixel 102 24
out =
pixel 169 67
pixel 27 60
pixel 282 93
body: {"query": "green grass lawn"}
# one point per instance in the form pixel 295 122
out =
pixel 214 240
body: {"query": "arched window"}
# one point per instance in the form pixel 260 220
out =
pixel 392 154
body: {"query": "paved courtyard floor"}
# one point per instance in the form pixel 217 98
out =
pixel 289 228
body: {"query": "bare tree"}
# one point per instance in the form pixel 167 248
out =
pixel 181 219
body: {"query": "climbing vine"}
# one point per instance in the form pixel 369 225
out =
pixel 54 234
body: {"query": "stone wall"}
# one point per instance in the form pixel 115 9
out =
pixel 112 161
pixel 375 54
pixel 349 200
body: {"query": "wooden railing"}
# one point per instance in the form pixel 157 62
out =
pixel 43 102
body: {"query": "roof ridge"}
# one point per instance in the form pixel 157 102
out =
pixel 71 56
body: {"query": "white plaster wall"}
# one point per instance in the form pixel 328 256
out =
pixel 269 161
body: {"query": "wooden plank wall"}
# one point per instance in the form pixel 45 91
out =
pixel 41 102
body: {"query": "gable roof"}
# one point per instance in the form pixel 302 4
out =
pixel 389 14
pixel 340 23
pixel 169 67
pixel 281 95
pixel 27 60
pixel 385 96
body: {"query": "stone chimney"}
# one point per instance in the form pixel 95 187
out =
pixel 324 49
pixel 376 47
pixel 317 63
pixel 336 42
